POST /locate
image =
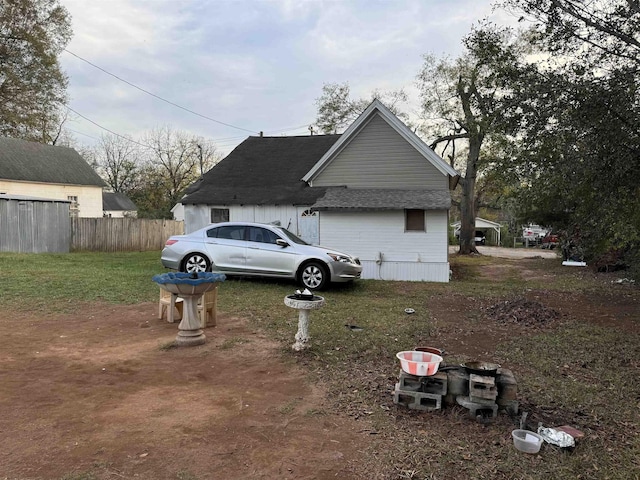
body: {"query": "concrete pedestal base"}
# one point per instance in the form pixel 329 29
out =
pixel 303 307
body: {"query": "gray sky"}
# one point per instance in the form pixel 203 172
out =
pixel 256 65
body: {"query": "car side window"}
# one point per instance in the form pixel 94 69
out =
pixel 212 233
pixel 230 232
pixel 261 235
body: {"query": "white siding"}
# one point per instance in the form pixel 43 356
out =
pixel 406 271
pixel 89 198
pixel 378 157
pixel 198 216
pixel 385 249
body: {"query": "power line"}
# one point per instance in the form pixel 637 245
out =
pixel 105 128
pixel 156 96
pixel 81 133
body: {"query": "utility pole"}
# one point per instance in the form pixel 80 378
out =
pixel 200 149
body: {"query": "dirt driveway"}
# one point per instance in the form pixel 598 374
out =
pixel 503 252
pixel 97 392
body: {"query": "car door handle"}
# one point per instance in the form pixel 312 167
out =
pixel 254 248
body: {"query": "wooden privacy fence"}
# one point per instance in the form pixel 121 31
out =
pixel 121 234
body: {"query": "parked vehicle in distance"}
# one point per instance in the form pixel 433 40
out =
pixel 479 238
pixel 550 241
pixel 258 249
pixel 532 235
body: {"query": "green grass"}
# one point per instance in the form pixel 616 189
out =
pixel 578 373
pixel 59 281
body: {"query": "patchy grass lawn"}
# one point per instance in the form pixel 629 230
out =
pixel 581 370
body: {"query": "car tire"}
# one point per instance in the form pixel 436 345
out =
pixel 314 276
pixel 195 262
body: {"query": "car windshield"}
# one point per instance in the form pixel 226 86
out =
pixel 292 237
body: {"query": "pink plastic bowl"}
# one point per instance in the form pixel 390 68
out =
pixel 419 363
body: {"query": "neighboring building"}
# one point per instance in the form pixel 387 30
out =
pixel 60 173
pixel 490 229
pixel 178 212
pixel 377 191
pixel 118 205
pixel 34 225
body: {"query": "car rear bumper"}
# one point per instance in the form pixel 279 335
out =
pixel 170 259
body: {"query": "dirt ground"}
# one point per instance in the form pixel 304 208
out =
pixel 503 252
pixel 99 392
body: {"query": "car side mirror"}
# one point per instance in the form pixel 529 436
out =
pixel 282 243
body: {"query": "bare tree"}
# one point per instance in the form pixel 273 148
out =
pixel 177 155
pixel 118 161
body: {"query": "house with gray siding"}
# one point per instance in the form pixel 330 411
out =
pixel 376 191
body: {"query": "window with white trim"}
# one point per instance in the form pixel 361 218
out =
pixel 74 208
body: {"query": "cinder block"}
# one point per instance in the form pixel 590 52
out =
pixel 436 384
pixel 482 401
pixel 507 386
pixel 510 406
pixel 507 392
pixel 482 387
pixel 475 409
pixel 410 382
pixel 426 402
pixel 457 382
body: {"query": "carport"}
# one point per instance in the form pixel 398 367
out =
pixel 484 225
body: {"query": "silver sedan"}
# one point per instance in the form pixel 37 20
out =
pixel 258 249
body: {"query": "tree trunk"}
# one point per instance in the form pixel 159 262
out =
pixel 467 202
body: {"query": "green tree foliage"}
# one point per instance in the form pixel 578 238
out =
pixel 466 101
pixel 32 86
pixel 337 110
pixel 577 153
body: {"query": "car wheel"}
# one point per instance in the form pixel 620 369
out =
pixel 195 262
pixel 314 276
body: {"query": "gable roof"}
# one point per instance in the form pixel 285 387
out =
pixel 480 223
pixel 114 201
pixel 36 162
pixel 263 171
pixel 357 199
pixel 377 107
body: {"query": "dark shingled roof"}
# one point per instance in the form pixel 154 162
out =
pixel 117 202
pixel 382 199
pixel 37 162
pixel 263 171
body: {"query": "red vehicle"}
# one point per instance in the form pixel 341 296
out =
pixel 550 241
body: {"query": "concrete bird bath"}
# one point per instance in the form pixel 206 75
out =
pixel 189 286
pixel 304 306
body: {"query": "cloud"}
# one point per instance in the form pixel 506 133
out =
pixel 258 65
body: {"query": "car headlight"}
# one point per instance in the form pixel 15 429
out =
pixel 340 258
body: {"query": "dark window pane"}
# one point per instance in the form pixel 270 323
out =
pixel 231 232
pixel 414 221
pixel 219 215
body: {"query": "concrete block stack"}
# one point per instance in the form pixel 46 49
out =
pixel 482 395
pixel 421 393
